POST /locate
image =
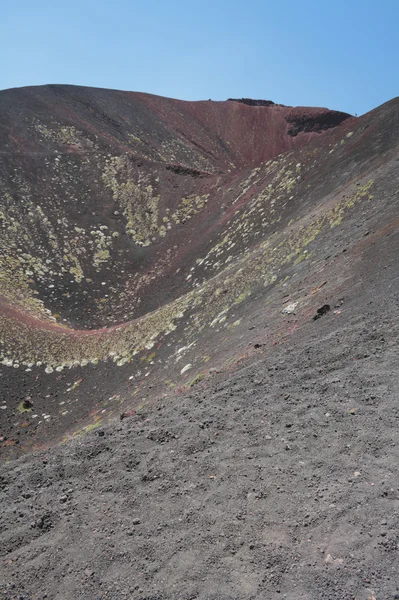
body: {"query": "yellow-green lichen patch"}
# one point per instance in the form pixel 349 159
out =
pixel 170 384
pixel 139 203
pixel 102 244
pixel 195 380
pixel 149 358
pixel 243 296
pixel 235 324
pixel 75 385
pixel 208 305
pixel 339 210
pixel 23 407
pixel 90 427
pixel 304 256
pixel 262 211
pixel 188 207
pixel 64 135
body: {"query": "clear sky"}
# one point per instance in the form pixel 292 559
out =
pixel 334 53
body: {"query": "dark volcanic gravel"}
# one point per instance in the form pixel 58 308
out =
pixel 278 481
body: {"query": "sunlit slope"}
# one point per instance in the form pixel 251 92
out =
pixel 102 192
pixel 141 248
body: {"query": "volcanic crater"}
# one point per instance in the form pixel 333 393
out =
pixel 133 224
pixel 156 255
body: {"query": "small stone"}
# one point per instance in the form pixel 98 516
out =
pixel 290 308
pixel 329 559
pixel 89 573
pixel 136 521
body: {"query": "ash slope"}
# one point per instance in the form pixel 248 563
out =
pixel 279 480
pixel 257 456
pixel 148 241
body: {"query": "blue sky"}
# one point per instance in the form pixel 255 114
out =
pixel 339 54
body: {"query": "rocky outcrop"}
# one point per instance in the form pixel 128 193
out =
pixel 251 102
pixel 306 121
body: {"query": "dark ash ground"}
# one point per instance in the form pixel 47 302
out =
pixel 278 481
